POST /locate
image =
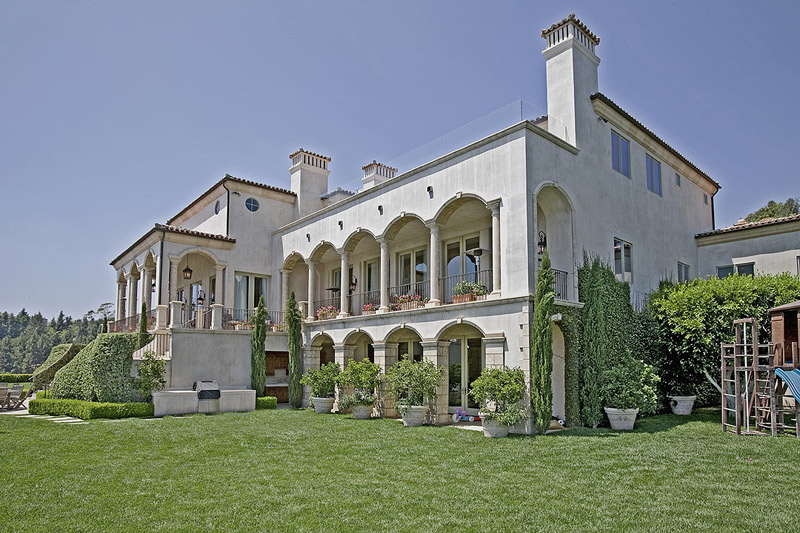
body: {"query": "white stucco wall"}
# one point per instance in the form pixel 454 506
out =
pixel 772 250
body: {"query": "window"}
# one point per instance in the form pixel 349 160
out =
pixel 623 267
pixel 372 276
pixel 252 204
pixel 746 269
pixel 705 199
pixel 724 271
pixel 683 272
pixel 247 290
pixel 620 154
pixel 653 175
pixel 677 179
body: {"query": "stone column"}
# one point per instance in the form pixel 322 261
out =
pixel 344 292
pixel 120 309
pixel 384 308
pixel 437 353
pixel 433 271
pixel 285 288
pixel 133 302
pixel 173 279
pixel 494 348
pixel 219 285
pixel 216 316
pixel 310 362
pixel 147 288
pixel 385 357
pixel 494 207
pixel 312 278
pixel 175 319
pixel 162 314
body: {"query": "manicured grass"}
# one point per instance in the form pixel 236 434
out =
pixel 294 470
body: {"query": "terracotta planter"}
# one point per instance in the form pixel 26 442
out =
pixel 621 419
pixel 370 312
pixel 494 429
pixel 415 416
pixel 405 306
pixel 322 406
pixel 362 412
pixel 682 405
pixel 463 298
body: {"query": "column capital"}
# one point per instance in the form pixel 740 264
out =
pixel 494 206
pixel 343 253
pixel 432 225
pixel 285 271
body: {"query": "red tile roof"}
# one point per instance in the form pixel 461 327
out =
pixel 750 225
pixel 581 25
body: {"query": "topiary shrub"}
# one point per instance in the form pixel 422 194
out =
pixel 100 372
pixel 15 378
pixel 89 410
pixel 60 355
pixel 267 402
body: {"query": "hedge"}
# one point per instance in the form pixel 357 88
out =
pixel 89 410
pixel 15 378
pixel 60 355
pixel 101 372
pixel 267 402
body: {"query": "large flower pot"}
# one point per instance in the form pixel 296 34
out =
pixel 682 405
pixel 415 416
pixel 463 298
pixel 322 406
pixel 493 428
pixel 362 412
pixel 621 419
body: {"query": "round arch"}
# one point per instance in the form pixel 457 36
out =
pixel 200 251
pixel 394 227
pixel 292 260
pixel 456 327
pixel 121 275
pixel 361 344
pixel 397 333
pixel 555 218
pixel 354 238
pixel 450 206
pixel 320 250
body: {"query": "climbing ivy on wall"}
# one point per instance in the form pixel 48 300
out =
pixel 571 325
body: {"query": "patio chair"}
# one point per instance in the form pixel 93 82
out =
pixel 3 394
pixel 16 396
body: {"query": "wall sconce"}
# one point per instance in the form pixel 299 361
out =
pixel 380 209
pixel 201 299
pixel 341 225
pixel 542 244
pixel 308 237
pixel 430 191
pixel 153 287
pixel 353 284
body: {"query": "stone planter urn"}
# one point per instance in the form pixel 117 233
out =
pixel 621 419
pixel 494 429
pixel 682 405
pixel 322 406
pixel 463 298
pixel 362 412
pixel 415 415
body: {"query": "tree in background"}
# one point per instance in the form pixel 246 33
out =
pixel 294 321
pixel 775 209
pixel 541 361
pixel 258 373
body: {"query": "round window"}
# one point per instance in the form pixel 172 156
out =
pixel 216 208
pixel 252 204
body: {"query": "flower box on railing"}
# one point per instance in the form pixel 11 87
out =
pixel 410 301
pixel 463 298
pixel 327 313
pixel 369 309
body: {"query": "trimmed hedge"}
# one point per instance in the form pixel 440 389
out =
pixel 60 355
pixel 89 410
pixel 101 372
pixel 15 378
pixel 267 402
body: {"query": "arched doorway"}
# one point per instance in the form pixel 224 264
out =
pixel 361 346
pixel 465 362
pixel 554 215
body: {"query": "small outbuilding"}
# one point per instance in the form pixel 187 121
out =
pixel 785 325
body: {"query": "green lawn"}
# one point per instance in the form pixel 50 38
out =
pixel 294 470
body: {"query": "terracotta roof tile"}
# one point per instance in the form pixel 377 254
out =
pixel 326 158
pixel 581 25
pixel 749 225
pixel 194 233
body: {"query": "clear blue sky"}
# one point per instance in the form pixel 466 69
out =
pixel 115 115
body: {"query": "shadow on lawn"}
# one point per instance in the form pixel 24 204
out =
pixel 650 424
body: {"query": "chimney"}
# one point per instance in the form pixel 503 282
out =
pixel 309 180
pixel 375 173
pixel 571 79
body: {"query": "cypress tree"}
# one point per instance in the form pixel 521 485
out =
pixel 143 337
pixel 295 360
pixel 541 348
pixel 595 347
pixel 258 356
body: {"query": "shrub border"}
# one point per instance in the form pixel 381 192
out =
pixel 267 402
pixel 89 410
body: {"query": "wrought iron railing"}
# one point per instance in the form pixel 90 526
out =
pixel 242 319
pixel 365 302
pixel 560 284
pixel 131 324
pixel 409 295
pixel 480 280
pixel 197 317
pixel 331 305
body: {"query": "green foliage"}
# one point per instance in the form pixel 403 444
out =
pixel 595 342
pixel 100 371
pixel 692 319
pixel 323 380
pixel 413 382
pixel 60 355
pixel 26 340
pixel 267 402
pixel 15 378
pixel 630 384
pixel 144 338
pixel 43 395
pixel 88 410
pixel 541 349
pixel 470 287
pixel 258 354
pixel 295 356
pixel 363 377
pixel 151 374
pixel 571 325
pixel 775 209
pixel 500 392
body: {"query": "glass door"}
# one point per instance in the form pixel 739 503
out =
pixel 465 364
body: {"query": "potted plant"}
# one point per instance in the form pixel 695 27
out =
pixel 327 312
pixel 413 383
pixel 628 388
pixel 363 377
pixel 410 301
pixel 369 309
pixel 466 291
pixel 323 386
pixel 500 393
pixel 681 399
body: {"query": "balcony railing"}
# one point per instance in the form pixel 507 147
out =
pixel 483 278
pixel 409 295
pixel 328 303
pixel 131 324
pixel 241 319
pixel 365 302
pixel 196 317
pixel 560 284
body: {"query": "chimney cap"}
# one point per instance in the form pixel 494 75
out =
pixel 571 18
pixel 376 164
pixel 302 151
